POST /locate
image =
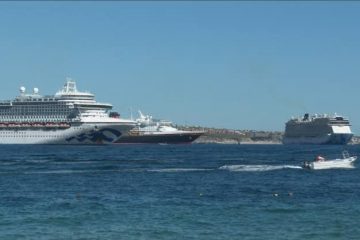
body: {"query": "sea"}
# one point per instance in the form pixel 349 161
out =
pixel 176 192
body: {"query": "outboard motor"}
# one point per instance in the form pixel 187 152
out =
pixel 306 165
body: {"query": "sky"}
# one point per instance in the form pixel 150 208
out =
pixel 236 64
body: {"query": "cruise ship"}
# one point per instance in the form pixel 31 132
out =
pixel 318 129
pixel 68 117
pixel 149 130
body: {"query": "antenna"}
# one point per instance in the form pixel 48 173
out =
pixel 141 115
pixel 131 114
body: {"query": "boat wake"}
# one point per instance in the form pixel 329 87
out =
pixel 179 170
pixel 257 168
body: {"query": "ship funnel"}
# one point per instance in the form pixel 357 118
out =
pixel 70 86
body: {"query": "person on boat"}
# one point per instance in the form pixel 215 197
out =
pixel 319 159
pixel 306 164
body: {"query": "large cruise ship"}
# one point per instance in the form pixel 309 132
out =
pixel 149 130
pixel 318 129
pixel 68 117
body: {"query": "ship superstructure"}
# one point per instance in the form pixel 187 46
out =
pixel 68 117
pixel 318 129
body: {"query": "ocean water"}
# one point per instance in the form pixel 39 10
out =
pixel 176 192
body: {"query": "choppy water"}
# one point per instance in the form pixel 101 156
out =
pixel 176 192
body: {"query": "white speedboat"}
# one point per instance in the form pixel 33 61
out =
pixel 322 163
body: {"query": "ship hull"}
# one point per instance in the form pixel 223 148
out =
pixel 79 133
pixel 160 138
pixel 330 139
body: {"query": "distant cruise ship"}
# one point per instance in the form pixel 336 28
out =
pixel 68 117
pixel 318 129
pixel 149 130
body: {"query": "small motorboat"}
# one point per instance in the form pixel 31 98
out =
pixel 322 163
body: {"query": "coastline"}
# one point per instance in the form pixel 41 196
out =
pixel 231 136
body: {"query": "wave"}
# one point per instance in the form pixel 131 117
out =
pixel 179 170
pixel 257 168
pixel 70 171
pixel 78 171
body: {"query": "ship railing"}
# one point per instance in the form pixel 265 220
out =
pixel 35 124
pixel 6 102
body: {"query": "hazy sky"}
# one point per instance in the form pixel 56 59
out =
pixel 242 65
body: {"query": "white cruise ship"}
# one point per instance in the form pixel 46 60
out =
pixel 68 117
pixel 318 129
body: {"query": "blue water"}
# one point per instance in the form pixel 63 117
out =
pixel 176 192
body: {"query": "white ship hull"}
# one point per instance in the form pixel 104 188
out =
pixel 80 133
pixel 331 138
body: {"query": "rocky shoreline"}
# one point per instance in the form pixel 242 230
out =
pixel 230 136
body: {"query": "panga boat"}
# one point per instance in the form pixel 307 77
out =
pixel 322 163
